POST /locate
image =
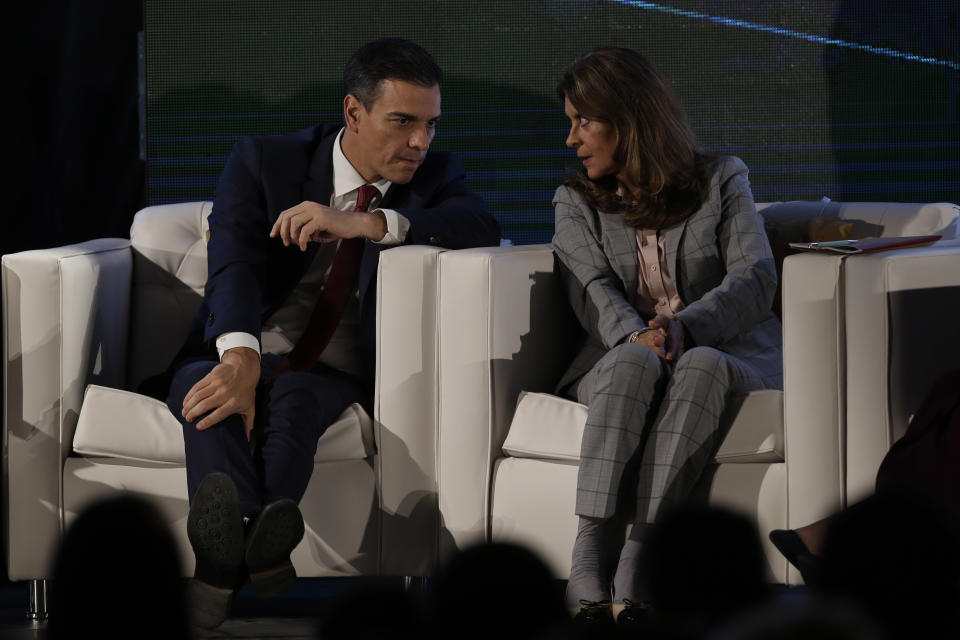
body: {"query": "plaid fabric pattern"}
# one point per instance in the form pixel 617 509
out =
pixel 675 418
pixel 619 391
pixel 721 261
pixel 686 433
pixel 719 258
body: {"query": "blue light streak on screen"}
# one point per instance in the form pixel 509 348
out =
pixel 743 24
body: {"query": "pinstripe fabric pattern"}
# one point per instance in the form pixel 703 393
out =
pixel 722 265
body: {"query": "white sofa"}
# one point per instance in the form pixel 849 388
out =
pixel 83 324
pixel 857 359
pixel 460 334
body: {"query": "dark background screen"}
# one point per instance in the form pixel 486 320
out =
pixel 853 100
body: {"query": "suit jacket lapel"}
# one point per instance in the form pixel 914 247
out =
pixel 622 252
pixel 389 197
pixel 371 251
pixel 672 241
pixel 318 188
pixel 319 184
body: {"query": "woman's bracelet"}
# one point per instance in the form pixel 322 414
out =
pixel 635 336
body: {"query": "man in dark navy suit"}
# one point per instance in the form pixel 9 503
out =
pixel 284 339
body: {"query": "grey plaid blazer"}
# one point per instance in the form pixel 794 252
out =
pixel 719 258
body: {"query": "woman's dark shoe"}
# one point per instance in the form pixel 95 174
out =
pixel 594 614
pixel 272 536
pixel 215 530
pixel 792 547
pixel 634 614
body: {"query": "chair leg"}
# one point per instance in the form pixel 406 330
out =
pixel 38 601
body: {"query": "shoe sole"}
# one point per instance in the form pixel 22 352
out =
pixel 274 535
pixel 215 530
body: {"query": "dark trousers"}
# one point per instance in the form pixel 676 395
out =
pixel 292 413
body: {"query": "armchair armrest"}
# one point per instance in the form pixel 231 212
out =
pixel 901 334
pixel 405 415
pixel 814 376
pixel 65 318
pixel 865 336
pixel 505 325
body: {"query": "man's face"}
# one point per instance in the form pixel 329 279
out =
pixel 391 139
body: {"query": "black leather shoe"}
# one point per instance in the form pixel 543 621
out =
pixel 594 614
pixel 634 614
pixel 215 530
pixel 272 536
pixel 789 544
pixel 796 552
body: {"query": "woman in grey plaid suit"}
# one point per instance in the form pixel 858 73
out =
pixel 669 270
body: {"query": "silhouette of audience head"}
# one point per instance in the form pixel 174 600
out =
pixel 117 574
pixel 898 558
pixel 702 565
pixel 800 619
pixel 374 611
pixel 495 591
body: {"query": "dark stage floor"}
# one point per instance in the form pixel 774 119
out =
pixel 293 615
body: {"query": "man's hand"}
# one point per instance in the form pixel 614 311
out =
pixel 672 329
pixel 311 222
pixel 228 389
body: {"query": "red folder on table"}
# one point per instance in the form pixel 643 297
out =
pixel 865 245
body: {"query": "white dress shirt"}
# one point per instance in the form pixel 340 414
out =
pixel 282 329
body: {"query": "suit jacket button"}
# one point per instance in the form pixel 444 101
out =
pixel 434 240
pixel 210 319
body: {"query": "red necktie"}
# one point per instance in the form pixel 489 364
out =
pixel 333 299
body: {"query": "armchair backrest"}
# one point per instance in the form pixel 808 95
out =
pixel 787 222
pixel 868 219
pixel 170 260
pixel 169 273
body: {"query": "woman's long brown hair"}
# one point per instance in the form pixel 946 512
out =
pixel 655 145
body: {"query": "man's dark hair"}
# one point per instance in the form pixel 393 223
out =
pixel 388 59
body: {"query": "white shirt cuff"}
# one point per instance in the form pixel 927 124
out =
pixel 233 339
pixel 397 227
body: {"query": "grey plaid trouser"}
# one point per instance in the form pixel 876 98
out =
pixel 627 392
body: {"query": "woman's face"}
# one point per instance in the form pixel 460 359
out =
pixel 594 141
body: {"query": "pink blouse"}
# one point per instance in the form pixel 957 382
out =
pixel 656 292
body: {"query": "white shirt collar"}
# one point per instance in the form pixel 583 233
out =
pixel 346 178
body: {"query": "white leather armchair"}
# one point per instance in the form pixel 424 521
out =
pixel 84 324
pixel 460 335
pixel 864 336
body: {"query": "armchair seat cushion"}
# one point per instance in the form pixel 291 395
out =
pixel 114 423
pixel 550 428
